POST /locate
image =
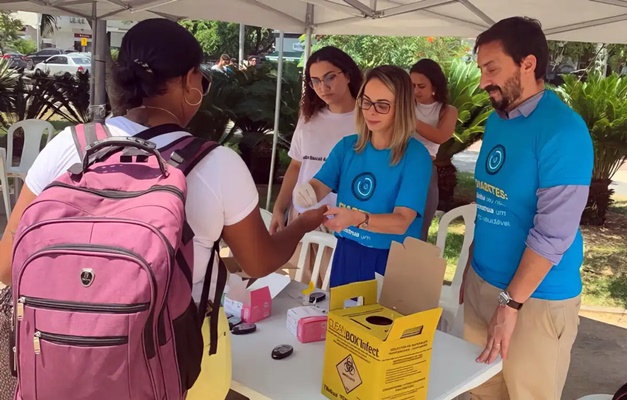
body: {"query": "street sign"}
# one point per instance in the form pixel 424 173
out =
pixel 83 42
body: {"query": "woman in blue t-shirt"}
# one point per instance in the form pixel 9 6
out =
pixel 381 176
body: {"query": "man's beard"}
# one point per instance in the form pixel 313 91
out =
pixel 510 93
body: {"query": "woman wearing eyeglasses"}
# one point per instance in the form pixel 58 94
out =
pixel 435 122
pixel 327 114
pixel 381 177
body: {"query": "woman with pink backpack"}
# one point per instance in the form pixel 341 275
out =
pixel 97 244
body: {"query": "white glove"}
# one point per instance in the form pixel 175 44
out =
pixel 305 196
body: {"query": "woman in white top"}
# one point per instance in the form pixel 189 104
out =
pixel 332 82
pixel 158 74
pixel 435 122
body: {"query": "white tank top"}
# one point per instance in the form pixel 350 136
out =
pixel 429 114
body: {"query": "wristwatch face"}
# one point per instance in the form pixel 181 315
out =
pixel 503 298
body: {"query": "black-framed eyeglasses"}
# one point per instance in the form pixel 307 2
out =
pixel 315 83
pixel 206 82
pixel 380 107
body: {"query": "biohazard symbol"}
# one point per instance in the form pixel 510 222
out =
pixel 349 375
pixel 349 366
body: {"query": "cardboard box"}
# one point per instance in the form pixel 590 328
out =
pixel 251 300
pixel 307 323
pixel 382 350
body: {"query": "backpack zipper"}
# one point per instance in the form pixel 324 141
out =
pixel 80 307
pixel 117 194
pixel 78 341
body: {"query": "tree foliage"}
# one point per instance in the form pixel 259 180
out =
pixel 217 38
pixel 10 28
pixel 371 51
pixel 585 53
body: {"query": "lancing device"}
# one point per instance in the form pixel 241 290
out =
pixel 243 329
pixel 282 351
pixel 317 297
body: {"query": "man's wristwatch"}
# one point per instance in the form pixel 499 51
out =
pixel 364 225
pixel 506 300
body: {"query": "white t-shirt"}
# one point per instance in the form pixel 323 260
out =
pixel 312 143
pixel 213 200
pixel 430 115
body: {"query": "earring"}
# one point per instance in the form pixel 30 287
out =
pixel 199 100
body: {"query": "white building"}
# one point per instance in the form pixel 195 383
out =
pixel 70 30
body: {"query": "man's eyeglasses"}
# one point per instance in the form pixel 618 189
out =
pixel 379 106
pixel 315 83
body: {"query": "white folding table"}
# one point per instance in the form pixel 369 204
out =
pixel 256 375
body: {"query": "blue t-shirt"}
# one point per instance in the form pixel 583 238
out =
pixel 550 147
pixel 368 182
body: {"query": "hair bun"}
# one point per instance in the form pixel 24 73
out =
pixel 135 81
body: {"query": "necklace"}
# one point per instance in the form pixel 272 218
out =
pixel 178 121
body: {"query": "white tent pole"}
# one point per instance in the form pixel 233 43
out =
pixel 308 33
pixel 242 41
pixel 39 34
pixel 277 115
pixel 309 21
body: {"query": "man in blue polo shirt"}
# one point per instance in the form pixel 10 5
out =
pixel 521 291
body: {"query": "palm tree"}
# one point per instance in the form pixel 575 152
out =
pixel 473 105
pixel 602 103
pixel 47 25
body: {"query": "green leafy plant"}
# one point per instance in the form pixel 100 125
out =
pixel 42 97
pixel 473 106
pixel 602 103
pixel 8 81
pixel 243 103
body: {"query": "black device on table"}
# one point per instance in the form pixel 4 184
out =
pixel 243 329
pixel 282 351
pixel 317 297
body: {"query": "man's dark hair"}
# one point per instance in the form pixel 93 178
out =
pixel 520 37
pixel 225 57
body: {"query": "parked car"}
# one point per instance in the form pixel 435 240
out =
pixel 44 54
pixel 19 61
pixel 67 63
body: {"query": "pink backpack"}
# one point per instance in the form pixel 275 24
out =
pixel 102 275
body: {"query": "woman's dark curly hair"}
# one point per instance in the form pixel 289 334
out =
pixel 434 73
pixel 310 102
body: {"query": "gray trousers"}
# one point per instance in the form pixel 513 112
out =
pixel 433 197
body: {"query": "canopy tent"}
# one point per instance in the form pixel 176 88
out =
pixel 572 20
pixel 569 20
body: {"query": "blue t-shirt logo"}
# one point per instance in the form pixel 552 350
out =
pixel 495 160
pixel 364 186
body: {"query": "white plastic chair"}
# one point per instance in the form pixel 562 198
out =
pixel 597 397
pixel 266 216
pixel 323 240
pixel 453 314
pixel 33 129
pixel 4 183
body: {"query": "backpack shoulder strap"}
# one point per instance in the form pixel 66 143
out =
pixel 211 308
pixel 86 134
pixel 185 155
pixel 190 153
